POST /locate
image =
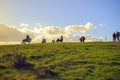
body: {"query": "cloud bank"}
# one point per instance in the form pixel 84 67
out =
pixel 80 28
pixel 8 33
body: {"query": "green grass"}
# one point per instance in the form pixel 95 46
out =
pixel 70 61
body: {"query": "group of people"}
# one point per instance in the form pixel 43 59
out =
pixel 82 39
pixel 28 39
pixel 116 36
pixel 58 40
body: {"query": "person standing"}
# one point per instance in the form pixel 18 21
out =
pixel 117 36
pixel 82 39
pixel 114 37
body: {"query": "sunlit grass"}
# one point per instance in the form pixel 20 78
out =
pixel 69 61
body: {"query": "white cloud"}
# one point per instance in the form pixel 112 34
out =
pixel 39 24
pixel 52 30
pixel 36 30
pixel 102 25
pixel 80 28
pixel 24 25
pixel 27 31
pixel 37 39
pixel 101 39
pixel 49 32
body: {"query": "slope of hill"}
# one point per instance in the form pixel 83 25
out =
pixel 60 61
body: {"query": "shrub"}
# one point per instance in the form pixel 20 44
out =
pixel 45 73
pixel 20 61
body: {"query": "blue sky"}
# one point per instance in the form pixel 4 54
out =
pixel 103 14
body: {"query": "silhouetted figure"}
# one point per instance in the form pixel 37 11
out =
pixel 53 41
pixel 44 40
pixel 82 39
pixel 114 37
pixel 117 36
pixel 60 40
pixel 27 39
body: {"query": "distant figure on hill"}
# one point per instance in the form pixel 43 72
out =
pixel 117 36
pixel 43 40
pixel 82 39
pixel 27 39
pixel 114 37
pixel 60 39
pixel 53 41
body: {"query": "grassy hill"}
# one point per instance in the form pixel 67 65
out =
pixel 60 61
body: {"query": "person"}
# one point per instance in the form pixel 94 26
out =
pixel 53 41
pixel 27 39
pixel 117 35
pixel 60 39
pixel 43 40
pixel 114 37
pixel 82 39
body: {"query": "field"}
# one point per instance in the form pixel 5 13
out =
pixel 60 61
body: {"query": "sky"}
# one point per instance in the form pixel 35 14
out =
pixel 95 19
